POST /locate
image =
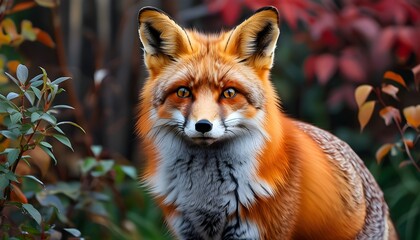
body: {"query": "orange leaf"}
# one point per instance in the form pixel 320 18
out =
pixel 412 115
pixel 12 66
pixel 365 113
pixel 390 113
pixel 10 28
pixel 383 151
pixel 47 3
pixel 17 195
pixel 395 77
pixel 44 38
pixel 361 94
pixel 390 90
pixel 409 143
pixel 21 6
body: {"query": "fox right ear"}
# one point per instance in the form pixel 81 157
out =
pixel 163 40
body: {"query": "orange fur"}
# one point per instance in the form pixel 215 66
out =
pixel 314 195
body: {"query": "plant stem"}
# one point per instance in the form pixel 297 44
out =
pixel 400 130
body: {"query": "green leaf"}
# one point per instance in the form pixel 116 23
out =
pixel 88 164
pixel 96 150
pixel 11 96
pixel 37 83
pixel 98 208
pixel 72 123
pixel 48 151
pixel 11 176
pixel 73 231
pixel 32 212
pixel 130 171
pixel 4 183
pixel 13 79
pixel 37 92
pixel 63 106
pixel 60 80
pixel 103 168
pixel 49 118
pixel 30 96
pixel 34 178
pixel 22 73
pixel 36 78
pixel 12 155
pixel 16 117
pixel 45 144
pixel 58 129
pixel 9 134
pixel 64 140
pixel 35 116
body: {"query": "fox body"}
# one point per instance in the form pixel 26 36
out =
pixel 224 162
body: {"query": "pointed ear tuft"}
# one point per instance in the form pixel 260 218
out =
pixel 160 35
pixel 256 38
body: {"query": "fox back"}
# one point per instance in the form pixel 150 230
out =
pixel 224 162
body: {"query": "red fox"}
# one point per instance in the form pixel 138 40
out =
pixel 223 160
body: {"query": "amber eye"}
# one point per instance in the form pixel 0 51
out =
pixel 229 93
pixel 183 92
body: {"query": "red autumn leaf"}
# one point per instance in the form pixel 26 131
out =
pixel 403 51
pixel 367 27
pixel 325 67
pixel 408 36
pixel 253 4
pixel 386 39
pixel 231 12
pixel 389 113
pixel 352 69
pixel 295 10
pixel 391 90
pixel 309 67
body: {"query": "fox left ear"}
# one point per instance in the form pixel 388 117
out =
pixel 254 40
pixel 163 40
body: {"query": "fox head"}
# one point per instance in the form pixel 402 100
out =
pixel 205 89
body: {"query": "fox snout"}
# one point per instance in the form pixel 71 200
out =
pixel 203 126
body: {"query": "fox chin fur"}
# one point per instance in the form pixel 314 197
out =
pixel 224 162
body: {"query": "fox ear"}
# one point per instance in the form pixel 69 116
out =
pixel 163 40
pixel 254 40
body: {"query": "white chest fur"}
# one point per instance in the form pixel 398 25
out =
pixel 207 184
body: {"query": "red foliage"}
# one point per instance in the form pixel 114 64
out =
pixel 352 39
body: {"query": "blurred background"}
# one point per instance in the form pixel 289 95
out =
pixel 326 49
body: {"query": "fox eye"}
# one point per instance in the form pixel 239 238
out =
pixel 183 92
pixel 229 93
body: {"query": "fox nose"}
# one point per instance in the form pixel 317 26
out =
pixel 203 126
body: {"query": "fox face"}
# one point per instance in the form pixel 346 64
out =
pixel 207 89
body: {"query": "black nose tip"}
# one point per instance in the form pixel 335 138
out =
pixel 203 126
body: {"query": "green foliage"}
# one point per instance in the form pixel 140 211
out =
pixel 28 121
